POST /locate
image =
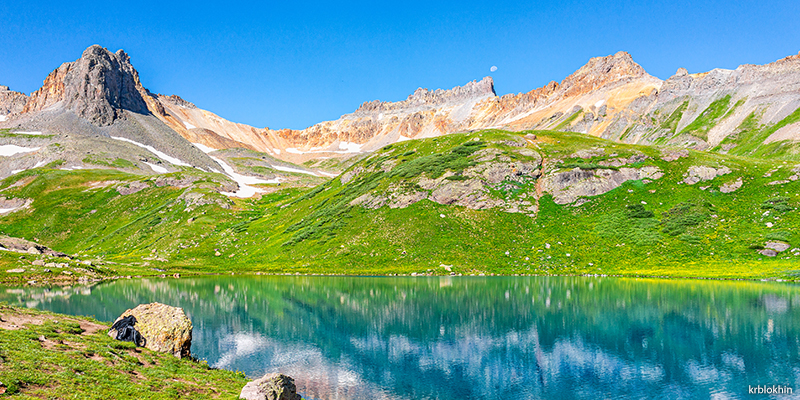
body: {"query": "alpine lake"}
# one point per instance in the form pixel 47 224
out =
pixel 475 337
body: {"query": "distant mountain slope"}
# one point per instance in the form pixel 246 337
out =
pixel 95 113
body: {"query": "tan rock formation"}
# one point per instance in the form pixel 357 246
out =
pixel 164 328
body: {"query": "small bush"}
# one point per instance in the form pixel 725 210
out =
pixel 783 236
pixel 638 211
pixel 679 218
pixel 778 203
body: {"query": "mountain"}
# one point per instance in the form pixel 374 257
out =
pixel 624 174
pixel 95 113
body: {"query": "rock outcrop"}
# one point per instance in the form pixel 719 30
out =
pixel 700 173
pixel 164 328
pixel 568 186
pixel 271 387
pixel 98 87
pixel 26 246
pixel 11 102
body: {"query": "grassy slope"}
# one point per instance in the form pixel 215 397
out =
pixel 70 363
pixel 317 231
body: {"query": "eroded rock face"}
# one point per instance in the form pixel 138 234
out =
pixel 271 387
pixel 472 189
pixel 98 86
pixel 11 102
pixel 164 328
pixel 568 186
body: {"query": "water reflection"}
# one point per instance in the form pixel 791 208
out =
pixel 476 338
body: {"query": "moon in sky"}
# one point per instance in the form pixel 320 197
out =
pixel 494 68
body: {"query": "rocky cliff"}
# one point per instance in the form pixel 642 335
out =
pixel 98 87
pixel 11 102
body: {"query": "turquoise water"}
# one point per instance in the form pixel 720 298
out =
pixel 474 337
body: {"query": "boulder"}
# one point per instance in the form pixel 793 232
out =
pixel 164 328
pixel 777 246
pixel 270 387
pixel 768 252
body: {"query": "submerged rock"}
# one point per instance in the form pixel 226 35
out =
pixel 271 387
pixel 164 328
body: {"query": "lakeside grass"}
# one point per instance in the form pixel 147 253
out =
pixel 48 355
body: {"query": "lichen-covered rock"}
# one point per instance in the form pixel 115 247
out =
pixel 270 387
pixel 164 328
pixel 731 187
pixel 697 174
pixel 566 187
pixel 780 247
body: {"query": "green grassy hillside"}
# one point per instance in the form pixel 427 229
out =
pixel 471 203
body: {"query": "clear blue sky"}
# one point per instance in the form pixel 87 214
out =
pixel 292 64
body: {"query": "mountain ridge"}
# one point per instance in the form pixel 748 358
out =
pixel 611 97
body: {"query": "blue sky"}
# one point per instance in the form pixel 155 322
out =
pixel 292 65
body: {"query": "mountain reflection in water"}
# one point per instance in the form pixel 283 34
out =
pixel 475 338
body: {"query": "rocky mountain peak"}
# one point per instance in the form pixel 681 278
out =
pixel 602 71
pixel 98 87
pixel 176 100
pixel 425 98
pixel 11 102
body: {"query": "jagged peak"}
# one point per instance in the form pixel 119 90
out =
pixel 97 86
pixel 602 71
pixel 423 97
pixel 176 100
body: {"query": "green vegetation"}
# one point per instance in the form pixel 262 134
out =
pixel 53 356
pixel 748 139
pixel 671 123
pixel 708 118
pixel 675 227
pixel 117 163
pixel 565 124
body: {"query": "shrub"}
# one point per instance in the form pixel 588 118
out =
pixel 778 203
pixel 638 211
pixel 679 218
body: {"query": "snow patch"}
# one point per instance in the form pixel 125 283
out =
pixel 599 103
pixel 163 156
pixel 157 168
pixel 27 133
pixel 188 125
pixel 402 138
pixel 290 169
pixel 349 147
pixel 71 168
pixel 16 171
pixel 3 118
pixel 39 164
pixel 327 174
pixel 11 149
pixel 204 148
pixel 277 151
pixel 344 147
pixel 245 190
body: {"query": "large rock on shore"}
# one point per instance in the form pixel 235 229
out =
pixel 271 387
pixel 164 328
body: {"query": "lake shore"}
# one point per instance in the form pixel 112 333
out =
pixel 53 355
